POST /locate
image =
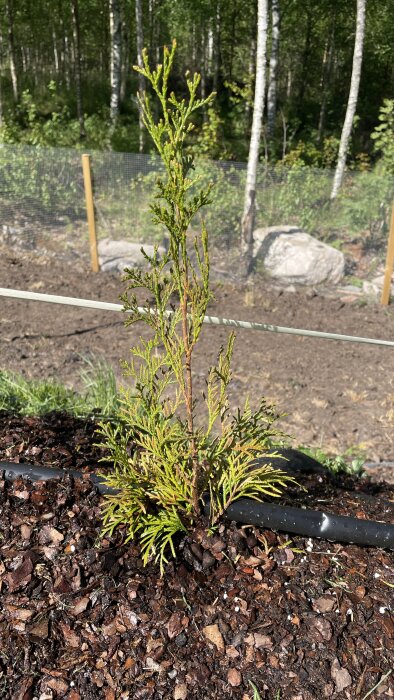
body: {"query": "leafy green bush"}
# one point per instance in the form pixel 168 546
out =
pixel 293 195
pixel 365 202
pixel 222 218
pixel 39 184
pixel 175 462
pixel 339 464
pixel 383 135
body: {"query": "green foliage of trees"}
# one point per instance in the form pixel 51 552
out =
pixel 175 461
pixel 383 136
pixel 217 39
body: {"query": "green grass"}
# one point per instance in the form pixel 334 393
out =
pixel 32 397
pixel 341 464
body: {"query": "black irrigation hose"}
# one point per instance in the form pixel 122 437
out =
pixel 312 523
pixel 305 522
pixel 35 473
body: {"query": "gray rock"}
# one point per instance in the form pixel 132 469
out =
pixel 292 256
pixel 114 256
pixel 374 287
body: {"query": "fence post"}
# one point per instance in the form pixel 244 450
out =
pixel 385 298
pixel 87 179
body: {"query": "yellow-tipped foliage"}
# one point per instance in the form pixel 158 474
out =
pixel 164 463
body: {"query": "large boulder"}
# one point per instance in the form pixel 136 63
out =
pixel 292 256
pixel 114 256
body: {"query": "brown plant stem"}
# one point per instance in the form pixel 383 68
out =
pixel 189 398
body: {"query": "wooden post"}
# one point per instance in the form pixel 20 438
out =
pixel 385 298
pixel 87 179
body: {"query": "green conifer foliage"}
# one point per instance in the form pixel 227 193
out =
pixel 174 461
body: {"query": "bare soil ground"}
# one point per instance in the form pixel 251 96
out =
pixel 336 395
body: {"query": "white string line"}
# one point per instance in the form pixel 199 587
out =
pixel 211 320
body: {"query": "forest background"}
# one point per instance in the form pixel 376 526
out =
pixel 66 74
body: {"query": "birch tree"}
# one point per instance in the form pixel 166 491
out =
pixel 324 83
pixel 353 97
pixel 11 49
pixel 249 213
pixel 272 80
pixel 77 66
pixel 141 79
pixel 116 57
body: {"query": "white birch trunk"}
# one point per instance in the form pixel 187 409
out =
pixel 115 29
pixel 141 80
pixel 272 81
pixel 55 52
pixel 353 96
pixel 11 50
pixel 125 56
pixel 326 72
pixel 77 66
pixel 216 49
pixel 248 218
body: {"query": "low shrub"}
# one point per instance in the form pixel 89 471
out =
pixel 175 462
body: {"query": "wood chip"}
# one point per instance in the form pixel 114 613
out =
pixel 340 676
pixel 80 606
pixel 180 692
pixel 214 635
pixel 234 677
pixel 324 604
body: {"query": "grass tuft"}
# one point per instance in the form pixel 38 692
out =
pixel 34 397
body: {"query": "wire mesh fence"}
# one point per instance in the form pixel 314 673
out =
pixel 43 205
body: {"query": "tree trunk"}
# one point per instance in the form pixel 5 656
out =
pixel 1 102
pixel 124 73
pixel 272 81
pixel 11 49
pixel 247 224
pixel 251 71
pixel 324 83
pixel 305 58
pixel 55 53
pixel 353 96
pixel 141 79
pixel 216 49
pixel 203 67
pixel 115 30
pixel 77 67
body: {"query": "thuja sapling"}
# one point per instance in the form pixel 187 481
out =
pixel 163 461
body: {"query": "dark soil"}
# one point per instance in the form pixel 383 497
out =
pixel 80 618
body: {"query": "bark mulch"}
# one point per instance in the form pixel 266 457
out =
pixel 302 619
